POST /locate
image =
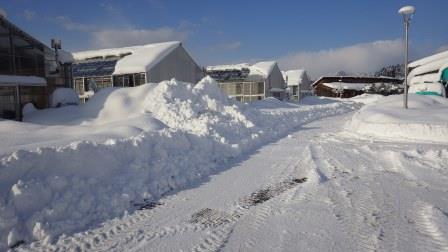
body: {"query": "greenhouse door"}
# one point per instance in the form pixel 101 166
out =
pixel 444 76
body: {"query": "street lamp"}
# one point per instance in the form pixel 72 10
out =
pixel 407 12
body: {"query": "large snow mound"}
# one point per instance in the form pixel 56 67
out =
pixel 67 169
pixel 64 97
pixel 424 120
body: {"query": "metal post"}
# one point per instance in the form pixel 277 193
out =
pixel 405 95
pixel 18 104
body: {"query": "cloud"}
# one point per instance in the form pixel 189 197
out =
pixel 29 14
pixel 231 46
pixel 358 58
pixel 70 25
pixel 122 33
pixel 3 13
pixel 127 37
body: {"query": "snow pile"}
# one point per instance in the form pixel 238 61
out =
pixel 143 142
pixel 367 98
pixel 28 108
pixel 63 97
pixel 425 120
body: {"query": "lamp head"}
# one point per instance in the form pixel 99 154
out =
pixel 407 10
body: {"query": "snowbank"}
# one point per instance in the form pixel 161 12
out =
pixel 64 97
pixel 425 120
pixel 174 134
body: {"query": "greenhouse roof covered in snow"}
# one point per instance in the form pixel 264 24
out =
pixel 255 72
pixel 293 77
pixel 133 59
pixel 436 57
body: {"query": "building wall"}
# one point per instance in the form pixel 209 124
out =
pixel 20 54
pixel 179 65
pixel 244 91
pixel 305 87
pixel 322 90
pixel 275 80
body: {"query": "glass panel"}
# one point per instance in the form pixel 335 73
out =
pixel 260 88
pixel 7 102
pixel 29 59
pixel 5 57
pixel 139 79
pixel 94 68
pixel 79 86
pixel 246 89
pixel 35 95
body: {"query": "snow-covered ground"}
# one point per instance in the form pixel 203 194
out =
pixel 315 190
pixel 176 167
pixel 425 120
pixel 68 169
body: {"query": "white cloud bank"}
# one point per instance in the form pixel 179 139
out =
pixel 128 37
pixel 230 46
pixel 358 58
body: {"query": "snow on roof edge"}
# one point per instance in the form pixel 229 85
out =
pixel 6 80
pixel 146 57
pixel 135 59
pixel 262 68
pixel 295 76
pixel 429 59
pixel 116 51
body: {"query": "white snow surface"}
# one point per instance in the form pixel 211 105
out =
pixel 429 59
pixel 67 169
pixel 22 80
pixel 141 58
pixel 265 67
pixel 257 71
pixel 318 189
pixel 343 85
pixel 428 68
pixel 63 97
pixel 425 119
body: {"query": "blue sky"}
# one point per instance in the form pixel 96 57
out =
pixel 321 36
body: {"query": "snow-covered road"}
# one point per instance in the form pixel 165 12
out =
pixel 319 189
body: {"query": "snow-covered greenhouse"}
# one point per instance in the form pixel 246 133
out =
pixel 29 71
pixel 298 82
pixel 132 66
pixel 246 82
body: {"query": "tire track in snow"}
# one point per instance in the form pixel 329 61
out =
pixel 254 207
pixel 433 224
pixel 352 207
pixel 392 182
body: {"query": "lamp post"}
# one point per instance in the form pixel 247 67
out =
pixel 407 12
